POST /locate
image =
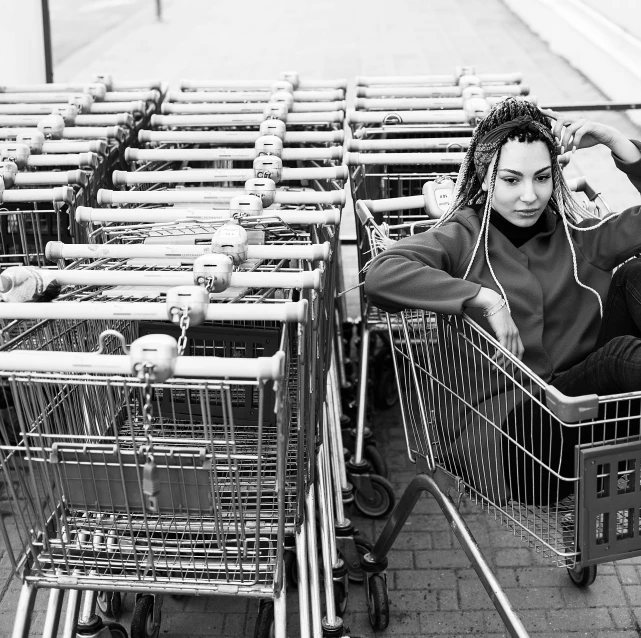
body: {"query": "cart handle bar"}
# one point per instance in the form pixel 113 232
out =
pixel 86 215
pixel 262 368
pixel 58 250
pixel 290 311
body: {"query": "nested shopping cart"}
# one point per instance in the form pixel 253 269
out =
pixel 143 473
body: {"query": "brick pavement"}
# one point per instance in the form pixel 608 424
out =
pixel 433 590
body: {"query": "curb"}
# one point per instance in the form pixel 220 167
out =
pixel 600 49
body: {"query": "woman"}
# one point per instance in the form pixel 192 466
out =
pixel 517 255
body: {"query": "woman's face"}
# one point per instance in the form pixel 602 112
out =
pixel 523 182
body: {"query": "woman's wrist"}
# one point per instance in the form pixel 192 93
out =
pixel 623 148
pixel 485 299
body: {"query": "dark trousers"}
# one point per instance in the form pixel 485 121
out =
pixel 613 367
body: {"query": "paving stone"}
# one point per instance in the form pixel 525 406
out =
pixel 459 622
pixel 439 558
pixel 605 591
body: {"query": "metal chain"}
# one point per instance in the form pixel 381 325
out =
pixel 148 409
pixel 184 326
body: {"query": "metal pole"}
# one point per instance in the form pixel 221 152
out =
pixel 46 34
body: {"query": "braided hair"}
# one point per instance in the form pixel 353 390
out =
pixel 512 119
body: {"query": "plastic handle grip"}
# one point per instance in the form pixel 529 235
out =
pixel 237 137
pixel 105 119
pixel 333 198
pixel 58 250
pixel 124 96
pixel 21 196
pixel 93 132
pixel 301 280
pixel 295 311
pixel 134 106
pixel 446 144
pixel 52 178
pixel 85 215
pixel 379 159
pixel 362 210
pixel 330 172
pixel 407 117
pixel 89 160
pixel 263 368
pixel 121 178
pixel 396 203
pixel 188 154
pixel 90 146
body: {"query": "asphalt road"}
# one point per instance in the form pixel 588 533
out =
pixel 76 23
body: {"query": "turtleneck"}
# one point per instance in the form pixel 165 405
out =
pixel 517 235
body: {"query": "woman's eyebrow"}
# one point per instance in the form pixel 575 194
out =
pixel 509 170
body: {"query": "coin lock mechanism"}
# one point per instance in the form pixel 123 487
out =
pixel 231 240
pixel 193 300
pixel 245 206
pixel 33 139
pixel 8 171
pixel 284 85
pixel 264 188
pixel 156 352
pixel 438 196
pixel 269 145
pixel 475 109
pixel 273 127
pixel 213 272
pixel 282 97
pixel 268 166
pixel 18 153
pixel 52 126
pixel 275 111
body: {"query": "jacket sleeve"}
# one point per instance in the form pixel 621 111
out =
pixel 418 272
pixel 620 237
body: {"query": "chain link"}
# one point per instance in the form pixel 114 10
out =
pixel 148 409
pixel 184 326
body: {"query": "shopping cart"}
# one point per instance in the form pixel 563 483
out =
pixel 460 407
pixel 108 495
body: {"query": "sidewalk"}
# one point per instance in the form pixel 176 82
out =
pixel 433 590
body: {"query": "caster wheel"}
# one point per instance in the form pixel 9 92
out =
pixel 382 501
pixel 117 631
pixel 264 627
pixel 583 576
pixel 376 460
pixel 110 603
pixel 363 547
pixel 142 623
pixel 291 569
pixel 340 596
pixel 378 602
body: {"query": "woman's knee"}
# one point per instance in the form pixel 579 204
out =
pixel 629 274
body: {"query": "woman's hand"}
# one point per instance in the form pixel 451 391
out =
pixel 501 322
pixel 574 132
pixel 507 334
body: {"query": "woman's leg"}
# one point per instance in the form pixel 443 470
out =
pixel 622 308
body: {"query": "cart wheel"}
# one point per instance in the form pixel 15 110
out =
pixel 142 623
pixel 341 591
pixel 291 569
pixel 583 576
pixel 381 504
pixel 376 460
pixel 110 603
pixel 363 546
pixel 378 602
pixel 117 630
pixel 264 627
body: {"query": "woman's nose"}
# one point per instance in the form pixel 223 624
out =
pixel 528 194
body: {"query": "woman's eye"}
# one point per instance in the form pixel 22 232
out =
pixel 543 178
pixel 510 180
